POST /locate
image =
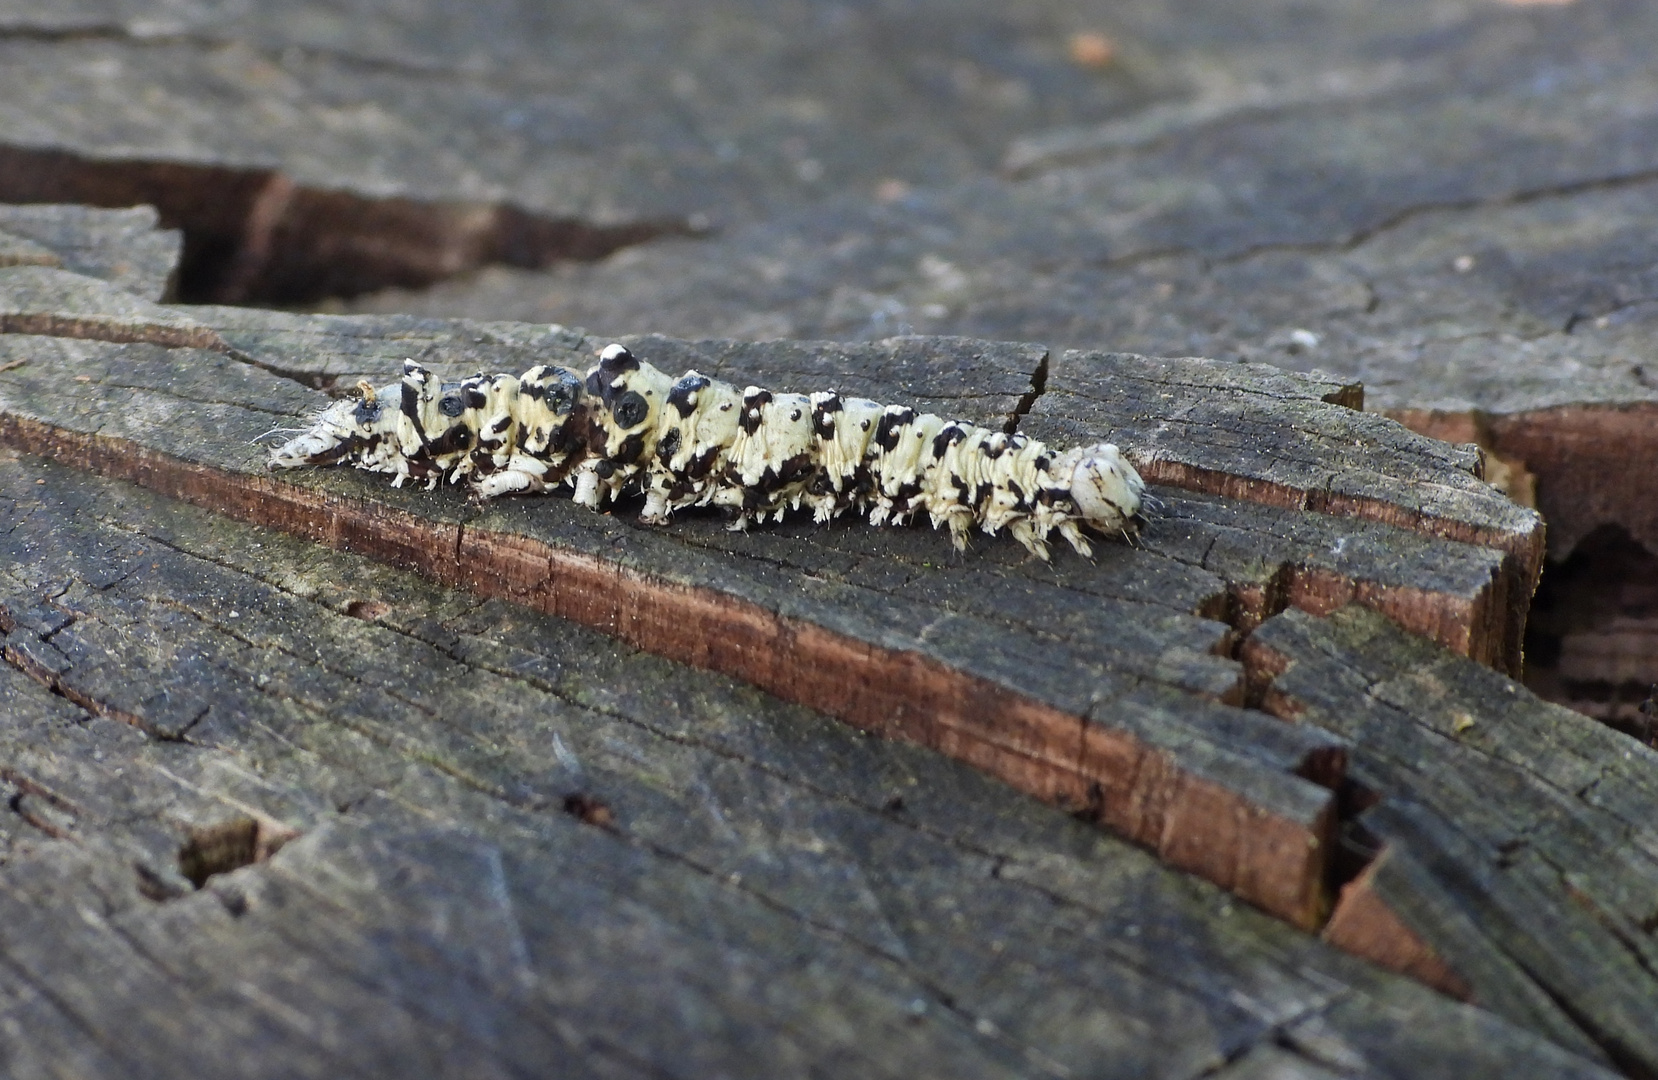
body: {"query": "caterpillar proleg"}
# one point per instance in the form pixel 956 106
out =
pixel 626 427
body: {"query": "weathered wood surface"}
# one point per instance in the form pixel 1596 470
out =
pixel 320 148
pixel 1452 203
pixel 765 892
pixel 1448 200
pixel 1508 834
pixel 472 794
pixel 314 147
pixel 988 659
pixel 1274 440
pixel 122 247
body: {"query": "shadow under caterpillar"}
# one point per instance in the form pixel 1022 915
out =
pixel 696 441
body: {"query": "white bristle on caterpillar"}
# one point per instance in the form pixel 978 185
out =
pixel 693 441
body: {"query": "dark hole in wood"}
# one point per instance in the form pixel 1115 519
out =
pixel 251 236
pixel 368 610
pixel 1326 768
pixel 231 845
pixel 1092 810
pixel 589 810
pixel 1592 639
pixel 1356 848
pixel 152 886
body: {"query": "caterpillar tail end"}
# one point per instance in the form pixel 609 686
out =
pixel 321 445
pixel 347 432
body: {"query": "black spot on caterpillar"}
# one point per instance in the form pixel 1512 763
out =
pixel 626 427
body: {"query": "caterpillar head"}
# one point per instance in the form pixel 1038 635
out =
pixel 1106 490
pixel 349 432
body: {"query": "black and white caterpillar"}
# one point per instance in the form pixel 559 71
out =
pixel 695 441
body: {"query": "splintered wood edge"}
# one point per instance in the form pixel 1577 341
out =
pixel 1268 858
pixel 1523 544
pixel 112 330
pixel 1491 631
pixel 1472 626
pixel 1364 925
pixel 1577 457
pixel 1363 922
pixel 1162 468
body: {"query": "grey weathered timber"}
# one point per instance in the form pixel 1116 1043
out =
pixel 273 808
pixel 315 148
pixel 1251 432
pixel 21 251
pixel 452 836
pixel 1460 217
pixel 1326 457
pixel 1088 687
pixel 1507 833
pixel 49 300
pixel 1448 229
pixel 1108 687
pixel 320 148
pixel 1448 200
pixel 123 247
pixel 989 658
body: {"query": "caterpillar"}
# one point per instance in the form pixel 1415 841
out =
pixel 628 428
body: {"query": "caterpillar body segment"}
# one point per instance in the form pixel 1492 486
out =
pixel 700 422
pixel 530 431
pixel 625 400
pixel 772 458
pixel 690 441
pixel 843 427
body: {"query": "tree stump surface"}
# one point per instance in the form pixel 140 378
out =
pixel 283 806
pixel 308 776
pixel 1448 201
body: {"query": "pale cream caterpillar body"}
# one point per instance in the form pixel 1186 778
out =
pixel 691 441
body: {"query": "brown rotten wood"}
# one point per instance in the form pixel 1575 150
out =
pixel 1594 470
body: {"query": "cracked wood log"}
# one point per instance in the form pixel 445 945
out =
pixel 375 751
pixel 1450 202
pixel 1513 858
pixel 1412 209
pixel 1387 191
pixel 313 149
pixel 511 847
pixel 1106 690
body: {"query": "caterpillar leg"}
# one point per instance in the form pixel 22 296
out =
pixel 657 509
pixel 1072 532
pixel 508 482
pixel 1024 532
pixel 587 490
